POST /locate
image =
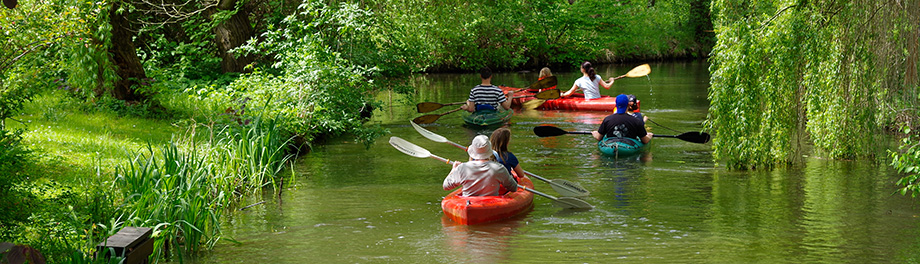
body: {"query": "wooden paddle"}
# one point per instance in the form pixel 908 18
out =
pixel 547 82
pixel 428 119
pixel 419 152
pixel 431 106
pixel 563 187
pixel 551 131
pixel 638 71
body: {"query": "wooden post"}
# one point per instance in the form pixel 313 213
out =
pixel 131 243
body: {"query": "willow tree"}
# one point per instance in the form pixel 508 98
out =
pixel 790 73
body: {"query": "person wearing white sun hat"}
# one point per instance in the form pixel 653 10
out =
pixel 480 176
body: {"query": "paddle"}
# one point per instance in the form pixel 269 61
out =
pixel 419 152
pixel 10 3
pixel 638 71
pixel 431 106
pixel 563 187
pixel 551 131
pixel 428 119
pixel 547 82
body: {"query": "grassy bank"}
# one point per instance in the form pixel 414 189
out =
pixel 92 171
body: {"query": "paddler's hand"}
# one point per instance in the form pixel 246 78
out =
pixel 510 94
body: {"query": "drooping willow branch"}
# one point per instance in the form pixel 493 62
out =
pixel 174 12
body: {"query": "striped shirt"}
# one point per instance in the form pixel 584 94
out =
pixel 489 95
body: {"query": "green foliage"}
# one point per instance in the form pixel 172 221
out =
pixel 317 91
pixel 780 68
pixel 907 160
pixel 182 193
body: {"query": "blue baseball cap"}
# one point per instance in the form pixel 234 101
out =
pixel 622 103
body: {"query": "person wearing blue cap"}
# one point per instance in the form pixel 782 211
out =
pixel 622 125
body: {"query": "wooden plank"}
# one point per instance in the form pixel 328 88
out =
pixel 126 242
pixel 127 237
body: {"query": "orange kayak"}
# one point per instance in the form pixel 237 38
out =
pixel 481 209
pixel 575 102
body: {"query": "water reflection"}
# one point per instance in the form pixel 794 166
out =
pixel 483 243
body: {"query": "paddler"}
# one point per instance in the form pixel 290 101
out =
pixel 500 140
pixel 545 72
pixel 480 176
pixel 486 96
pixel 622 125
pixel 589 83
pixel 633 108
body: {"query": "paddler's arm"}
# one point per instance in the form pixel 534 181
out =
pixel 469 106
pixel 604 84
pixel 507 103
pixel 507 181
pixel 453 179
pixel 597 135
pixel 570 91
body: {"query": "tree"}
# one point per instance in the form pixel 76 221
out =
pixel 788 72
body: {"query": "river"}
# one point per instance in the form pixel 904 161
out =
pixel 348 204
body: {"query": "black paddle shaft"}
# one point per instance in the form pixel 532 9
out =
pixel 551 131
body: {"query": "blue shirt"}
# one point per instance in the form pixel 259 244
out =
pixel 510 161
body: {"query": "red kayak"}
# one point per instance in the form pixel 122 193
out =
pixel 471 210
pixel 575 102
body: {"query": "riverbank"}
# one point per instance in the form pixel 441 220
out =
pixel 93 171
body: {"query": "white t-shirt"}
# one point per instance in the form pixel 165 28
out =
pixel 480 178
pixel 589 87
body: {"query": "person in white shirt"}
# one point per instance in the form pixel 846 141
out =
pixel 480 176
pixel 589 83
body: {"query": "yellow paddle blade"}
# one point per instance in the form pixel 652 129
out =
pixel 548 94
pixel 532 104
pixel 639 71
pixel 547 82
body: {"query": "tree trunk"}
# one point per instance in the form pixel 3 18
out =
pixel 124 56
pixel 230 34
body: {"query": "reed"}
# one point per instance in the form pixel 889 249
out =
pixel 183 192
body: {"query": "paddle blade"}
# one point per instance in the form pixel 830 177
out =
pixel 547 82
pixel 428 134
pixel 426 119
pixel 572 203
pixel 410 149
pixel 548 131
pixel 567 188
pixel 548 94
pixel 428 107
pixel 532 104
pixel 695 137
pixel 639 71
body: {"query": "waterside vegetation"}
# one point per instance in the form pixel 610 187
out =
pixel 120 112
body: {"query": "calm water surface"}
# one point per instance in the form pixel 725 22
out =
pixel 349 204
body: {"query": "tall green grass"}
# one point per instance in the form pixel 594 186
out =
pixel 182 189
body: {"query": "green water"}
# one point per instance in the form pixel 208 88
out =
pixel 671 205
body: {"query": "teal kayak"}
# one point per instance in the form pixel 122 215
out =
pixel 488 117
pixel 617 146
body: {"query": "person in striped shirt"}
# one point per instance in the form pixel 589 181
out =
pixel 487 96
